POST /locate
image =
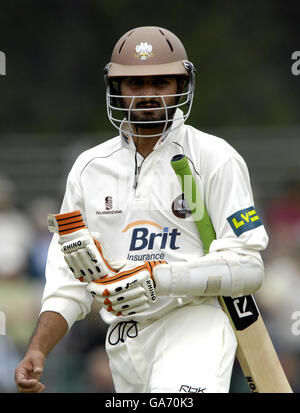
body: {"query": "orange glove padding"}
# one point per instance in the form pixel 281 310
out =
pixel 82 251
pixel 130 291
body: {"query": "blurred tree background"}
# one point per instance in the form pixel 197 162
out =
pixel 56 51
pixel 52 106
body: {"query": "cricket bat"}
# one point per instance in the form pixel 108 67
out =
pixel 255 351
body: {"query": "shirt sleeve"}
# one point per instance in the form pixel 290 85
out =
pixel 230 204
pixel 63 293
pixel 233 267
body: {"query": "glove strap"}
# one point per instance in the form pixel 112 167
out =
pixel 63 224
pixel 121 275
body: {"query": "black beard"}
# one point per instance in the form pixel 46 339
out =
pixel 157 124
pixel 149 125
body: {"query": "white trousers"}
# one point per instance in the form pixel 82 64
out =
pixel 190 349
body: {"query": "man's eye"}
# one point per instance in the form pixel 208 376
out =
pixel 161 81
pixel 135 81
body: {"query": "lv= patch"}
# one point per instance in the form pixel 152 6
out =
pixel 244 220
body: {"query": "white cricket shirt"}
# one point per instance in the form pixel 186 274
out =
pixel 136 204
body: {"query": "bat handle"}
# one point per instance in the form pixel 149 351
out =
pixel 181 167
pixel 177 157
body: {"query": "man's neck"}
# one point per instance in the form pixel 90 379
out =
pixel 145 145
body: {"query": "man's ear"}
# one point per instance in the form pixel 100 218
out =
pixel 115 87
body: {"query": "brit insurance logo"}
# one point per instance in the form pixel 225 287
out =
pixel 148 238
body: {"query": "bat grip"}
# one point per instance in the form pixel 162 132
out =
pixel 180 165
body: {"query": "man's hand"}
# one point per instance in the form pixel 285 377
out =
pixel 82 252
pixel 50 329
pixel 29 371
pixel 130 291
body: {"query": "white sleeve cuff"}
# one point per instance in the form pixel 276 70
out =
pixel 67 308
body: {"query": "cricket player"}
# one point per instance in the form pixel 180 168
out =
pixel 125 235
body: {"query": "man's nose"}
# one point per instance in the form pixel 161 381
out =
pixel 148 89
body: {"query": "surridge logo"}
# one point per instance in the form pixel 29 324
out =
pixel 108 204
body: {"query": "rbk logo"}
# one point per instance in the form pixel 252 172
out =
pixel 189 389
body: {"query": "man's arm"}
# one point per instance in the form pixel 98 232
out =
pixel 51 328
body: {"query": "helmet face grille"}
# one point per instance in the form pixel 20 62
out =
pixel 123 120
pixel 148 51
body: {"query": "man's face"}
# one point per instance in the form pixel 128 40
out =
pixel 142 87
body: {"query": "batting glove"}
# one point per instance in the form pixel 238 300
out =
pixel 130 291
pixel 82 251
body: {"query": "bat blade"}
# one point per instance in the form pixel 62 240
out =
pixel 255 352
